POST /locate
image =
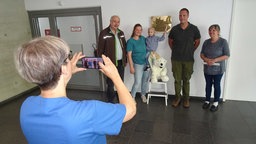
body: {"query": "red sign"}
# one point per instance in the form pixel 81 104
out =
pixel 75 28
pixel 48 32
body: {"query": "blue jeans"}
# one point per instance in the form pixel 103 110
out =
pixel 141 78
pixel 215 81
pixel 147 56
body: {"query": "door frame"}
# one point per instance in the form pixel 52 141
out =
pixel 52 16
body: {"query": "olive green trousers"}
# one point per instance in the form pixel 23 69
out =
pixel 182 72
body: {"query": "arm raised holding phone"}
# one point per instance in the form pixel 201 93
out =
pixel 109 69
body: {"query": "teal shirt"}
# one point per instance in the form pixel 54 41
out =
pixel 138 49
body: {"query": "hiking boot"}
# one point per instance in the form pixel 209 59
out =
pixel 186 103
pixel 176 102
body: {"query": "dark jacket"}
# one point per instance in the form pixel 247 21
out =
pixel 106 45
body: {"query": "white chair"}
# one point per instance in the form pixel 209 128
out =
pixel 159 92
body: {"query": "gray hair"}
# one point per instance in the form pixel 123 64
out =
pixel 114 16
pixel 39 61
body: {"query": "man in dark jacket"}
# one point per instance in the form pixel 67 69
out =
pixel 112 43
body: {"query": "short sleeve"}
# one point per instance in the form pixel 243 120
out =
pixel 226 50
pixel 203 47
pixel 170 36
pixel 129 46
pixel 108 118
pixel 197 33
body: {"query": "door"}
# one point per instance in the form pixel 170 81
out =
pixel 79 28
pixel 79 33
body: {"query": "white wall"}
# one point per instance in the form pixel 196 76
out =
pixel 14 31
pixel 203 15
pixel 241 76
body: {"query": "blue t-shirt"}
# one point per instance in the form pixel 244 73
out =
pixel 138 48
pixel 65 121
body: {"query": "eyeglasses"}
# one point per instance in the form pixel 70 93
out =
pixel 70 56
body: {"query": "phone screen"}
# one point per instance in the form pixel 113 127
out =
pixel 91 62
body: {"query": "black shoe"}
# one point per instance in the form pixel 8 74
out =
pixel 206 105
pixel 214 108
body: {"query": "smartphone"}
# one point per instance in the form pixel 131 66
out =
pixel 91 62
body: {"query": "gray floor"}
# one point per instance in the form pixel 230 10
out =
pixel 233 123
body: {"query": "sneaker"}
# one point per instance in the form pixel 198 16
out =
pixel 176 102
pixel 144 99
pixel 206 105
pixel 146 68
pixel 186 103
pixel 214 108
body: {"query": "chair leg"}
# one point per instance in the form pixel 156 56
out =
pixel 165 95
pixel 166 100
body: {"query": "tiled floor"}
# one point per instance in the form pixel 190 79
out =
pixel 233 123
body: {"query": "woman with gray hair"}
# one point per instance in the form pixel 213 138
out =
pixel 52 117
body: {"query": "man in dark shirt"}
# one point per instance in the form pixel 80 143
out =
pixel 184 38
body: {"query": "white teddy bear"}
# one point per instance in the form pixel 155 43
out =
pixel 158 67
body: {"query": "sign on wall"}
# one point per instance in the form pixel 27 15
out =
pixel 160 23
pixel 48 32
pixel 75 28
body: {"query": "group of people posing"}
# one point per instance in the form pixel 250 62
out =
pixel 51 117
pixel 184 39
